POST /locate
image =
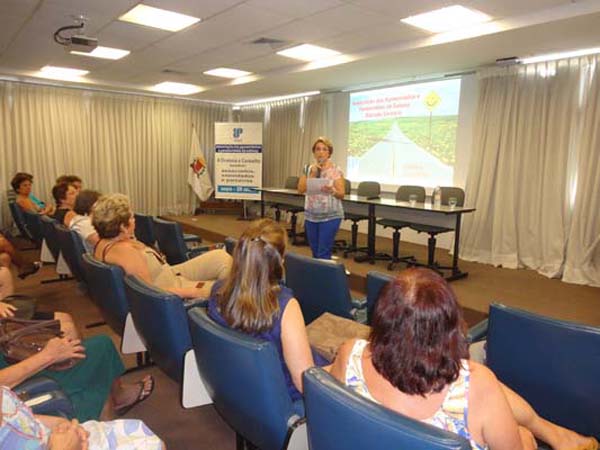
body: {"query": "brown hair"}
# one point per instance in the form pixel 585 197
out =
pixel 109 213
pixel 418 334
pixel 68 179
pixel 85 200
pixel 19 178
pixel 248 298
pixel 326 142
pixel 59 192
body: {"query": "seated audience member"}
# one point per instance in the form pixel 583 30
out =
pixel 416 363
pixel 92 384
pixel 64 195
pixel 71 179
pixel 21 429
pixel 82 222
pixel 113 219
pixel 253 300
pixel 21 184
pixel 9 255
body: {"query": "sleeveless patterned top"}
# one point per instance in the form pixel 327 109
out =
pixel 452 414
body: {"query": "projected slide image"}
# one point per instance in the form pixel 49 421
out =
pixel 404 135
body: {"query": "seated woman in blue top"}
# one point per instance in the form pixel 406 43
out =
pixel 253 301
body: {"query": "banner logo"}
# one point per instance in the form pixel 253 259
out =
pixel 237 132
pixel 198 165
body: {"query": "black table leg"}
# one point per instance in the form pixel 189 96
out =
pixel 262 204
pixel 456 273
pixel 370 255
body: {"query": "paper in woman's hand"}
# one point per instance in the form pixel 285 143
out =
pixel 315 185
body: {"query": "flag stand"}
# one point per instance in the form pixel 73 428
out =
pixel 244 215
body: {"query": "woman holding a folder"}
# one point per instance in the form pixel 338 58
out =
pixel 323 184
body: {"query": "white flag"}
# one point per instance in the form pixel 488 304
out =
pixel 198 176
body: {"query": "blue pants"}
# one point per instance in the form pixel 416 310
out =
pixel 321 236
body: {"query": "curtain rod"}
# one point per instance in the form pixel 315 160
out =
pixel 110 91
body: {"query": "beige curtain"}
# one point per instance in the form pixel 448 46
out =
pixel 517 178
pixel 137 145
pixel 289 129
pixel 526 141
pixel 582 264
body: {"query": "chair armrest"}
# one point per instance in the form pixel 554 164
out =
pixel 35 386
pixel 54 403
pixel 478 332
pixel 193 302
pixel 359 303
pixel 191 238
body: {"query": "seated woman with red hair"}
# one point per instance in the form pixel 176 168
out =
pixel 416 362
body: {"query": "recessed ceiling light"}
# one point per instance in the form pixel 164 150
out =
pixel 62 73
pixel 227 73
pixel 308 52
pixel 446 19
pixel 105 53
pixel 169 87
pixel 561 55
pixel 158 18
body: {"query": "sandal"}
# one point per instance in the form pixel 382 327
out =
pixel 29 269
pixel 142 395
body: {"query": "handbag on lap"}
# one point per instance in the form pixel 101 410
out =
pixel 328 332
pixel 20 339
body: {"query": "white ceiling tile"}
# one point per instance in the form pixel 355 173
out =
pixel 294 8
pixel 267 63
pixel 130 36
pixel 301 30
pixel 397 10
pixel 202 9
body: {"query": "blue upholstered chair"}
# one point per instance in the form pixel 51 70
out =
pixel 337 417
pixel 161 321
pixel 107 291
pixel 18 217
pixel 553 364
pixel 290 183
pixel 44 396
pixel 319 286
pixel 72 250
pixel 50 236
pixel 172 243
pixel 375 283
pixel 34 226
pixel 144 229
pixel 243 377
pixel 230 243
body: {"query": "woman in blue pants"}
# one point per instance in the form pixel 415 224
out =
pixel 323 212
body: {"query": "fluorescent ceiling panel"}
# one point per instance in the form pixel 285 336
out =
pixel 158 18
pixel 105 53
pixel 62 73
pixel 227 73
pixel 446 19
pixel 169 87
pixel 308 52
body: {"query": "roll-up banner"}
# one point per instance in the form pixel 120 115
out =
pixel 238 160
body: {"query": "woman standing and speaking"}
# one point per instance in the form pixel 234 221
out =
pixel 323 212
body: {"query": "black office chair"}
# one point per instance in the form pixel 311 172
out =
pixel 34 226
pixel 342 244
pixel 403 194
pixel 447 192
pixel 53 244
pixel 290 183
pixel 144 229
pixel 172 243
pixel 19 219
pixel 371 190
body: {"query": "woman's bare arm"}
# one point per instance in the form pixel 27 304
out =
pixel 294 340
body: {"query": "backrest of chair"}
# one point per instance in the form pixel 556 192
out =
pixel 144 229
pixel 50 235
pixel 19 219
pixel 291 182
pixel 347 186
pixel 72 250
pixel 160 318
pixel 319 286
pixel 376 281
pixel 451 191
pixel 170 240
pixel 244 379
pixel 11 195
pixel 34 225
pixel 338 417
pixel 371 189
pixel 107 290
pixel 553 364
pixel 404 192
pixel 230 243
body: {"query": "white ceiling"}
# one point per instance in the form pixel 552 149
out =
pixel 381 48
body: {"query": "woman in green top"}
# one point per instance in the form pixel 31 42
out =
pixel 93 384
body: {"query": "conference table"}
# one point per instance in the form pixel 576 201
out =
pixel 385 208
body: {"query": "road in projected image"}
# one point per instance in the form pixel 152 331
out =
pixel 405 134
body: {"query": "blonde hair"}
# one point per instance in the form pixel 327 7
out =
pixel 326 142
pixel 109 213
pixel 248 298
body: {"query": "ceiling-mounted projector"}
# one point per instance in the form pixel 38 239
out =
pixel 75 42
